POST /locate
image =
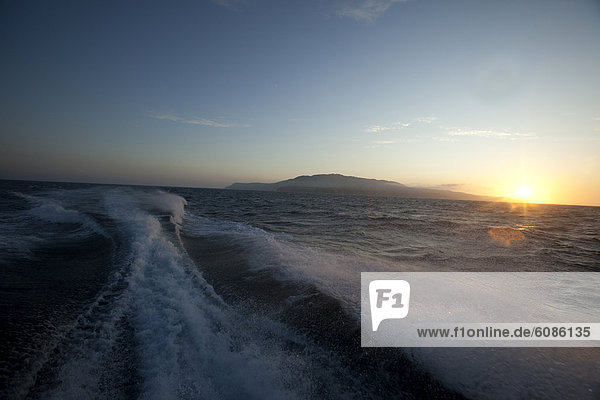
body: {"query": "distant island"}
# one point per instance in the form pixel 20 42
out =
pixel 342 184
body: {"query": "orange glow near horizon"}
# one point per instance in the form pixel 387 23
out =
pixel 526 189
pixel 538 190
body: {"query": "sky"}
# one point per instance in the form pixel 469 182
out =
pixel 485 97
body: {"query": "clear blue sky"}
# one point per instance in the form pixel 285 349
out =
pixel 481 96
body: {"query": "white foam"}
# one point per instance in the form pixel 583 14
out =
pixel 50 210
pixel 172 204
pixel 335 274
pixel 189 344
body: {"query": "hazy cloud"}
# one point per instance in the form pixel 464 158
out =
pixel 376 129
pixel 365 10
pixel 192 120
pixel 427 120
pixel 383 143
pixel 383 128
pixel 399 125
pixel 479 133
pixel 487 133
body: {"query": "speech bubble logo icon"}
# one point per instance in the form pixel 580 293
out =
pixel 389 300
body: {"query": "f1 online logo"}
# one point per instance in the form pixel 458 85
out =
pixel 389 300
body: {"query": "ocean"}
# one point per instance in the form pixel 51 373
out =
pixel 176 293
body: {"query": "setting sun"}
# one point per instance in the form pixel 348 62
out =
pixel 523 193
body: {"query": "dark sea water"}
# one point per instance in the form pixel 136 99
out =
pixel 159 293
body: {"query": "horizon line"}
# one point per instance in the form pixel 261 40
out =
pixel 501 199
